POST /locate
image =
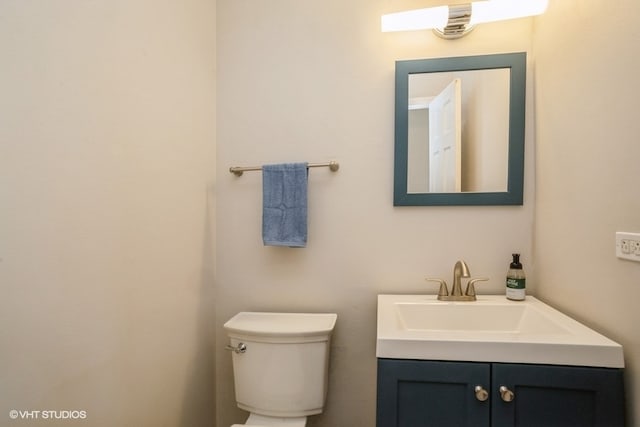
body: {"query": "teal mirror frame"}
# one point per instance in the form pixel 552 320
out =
pixel 516 62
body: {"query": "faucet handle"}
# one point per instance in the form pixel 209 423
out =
pixel 443 291
pixel 471 289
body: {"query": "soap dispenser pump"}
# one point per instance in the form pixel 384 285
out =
pixel 515 280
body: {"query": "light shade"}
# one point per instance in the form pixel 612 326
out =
pixel 419 19
pixel 481 11
pixel 500 10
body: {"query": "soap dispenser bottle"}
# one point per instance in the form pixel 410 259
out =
pixel 515 280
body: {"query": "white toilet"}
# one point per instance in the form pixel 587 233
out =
pixel 280 365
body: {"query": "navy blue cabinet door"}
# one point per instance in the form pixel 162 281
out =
pixel 414 393
pixel 432 394
pixel 557 396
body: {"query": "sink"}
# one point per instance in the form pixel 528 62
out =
pixel 491 329
pixel 505 318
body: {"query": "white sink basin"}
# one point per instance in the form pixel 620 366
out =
pixel 491 329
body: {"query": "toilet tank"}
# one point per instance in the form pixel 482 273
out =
pixel 283 371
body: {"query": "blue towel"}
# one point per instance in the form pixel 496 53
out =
pixel 284 205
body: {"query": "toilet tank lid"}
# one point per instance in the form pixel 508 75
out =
pixel 281 324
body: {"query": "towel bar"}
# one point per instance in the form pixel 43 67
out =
pixel 238 170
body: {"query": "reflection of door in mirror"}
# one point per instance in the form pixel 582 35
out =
pixel 445 123
pixel 483 149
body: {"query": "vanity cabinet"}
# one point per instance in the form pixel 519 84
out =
pixel 418 393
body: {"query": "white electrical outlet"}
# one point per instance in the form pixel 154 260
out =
pixel 628 245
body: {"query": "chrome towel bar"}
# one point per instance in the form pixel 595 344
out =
pixel 238 170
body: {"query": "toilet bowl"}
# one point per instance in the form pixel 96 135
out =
pixel 280 365
pixel 256 420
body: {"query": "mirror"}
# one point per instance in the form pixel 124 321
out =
pixel 459 137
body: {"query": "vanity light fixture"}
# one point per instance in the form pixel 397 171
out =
pixel 454 21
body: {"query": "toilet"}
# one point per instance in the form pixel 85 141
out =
pixel 280 365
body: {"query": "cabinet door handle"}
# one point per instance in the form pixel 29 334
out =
pixel 481 393
pixel 506 394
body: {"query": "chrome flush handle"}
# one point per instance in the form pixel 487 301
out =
pixel 240 348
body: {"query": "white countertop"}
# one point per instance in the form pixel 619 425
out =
pixel 491 329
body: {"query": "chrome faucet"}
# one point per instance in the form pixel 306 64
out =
pixel 460 270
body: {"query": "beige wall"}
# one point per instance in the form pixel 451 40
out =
pixel 587 171
pixel 107 131
pixel 313 81
pixel 107 142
